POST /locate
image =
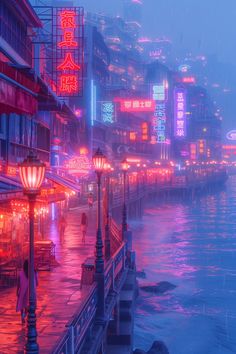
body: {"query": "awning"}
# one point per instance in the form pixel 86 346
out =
pixel 10 182
pixel 15 99
pixel 63 181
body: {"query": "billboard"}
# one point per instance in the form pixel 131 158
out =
pixel 179 113
pixel 68 55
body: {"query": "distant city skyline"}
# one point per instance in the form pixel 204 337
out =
pixel 192 25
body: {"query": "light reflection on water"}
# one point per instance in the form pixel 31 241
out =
pixel 193 246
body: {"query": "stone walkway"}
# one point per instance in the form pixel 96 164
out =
pixel 58 293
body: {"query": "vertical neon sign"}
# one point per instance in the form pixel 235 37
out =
pixel 68 34
pixel 159 93
pixel 180 113
pixel 93 102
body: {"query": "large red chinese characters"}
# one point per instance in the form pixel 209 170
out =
pixel 68 64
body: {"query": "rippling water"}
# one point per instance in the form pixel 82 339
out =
pixel 193 246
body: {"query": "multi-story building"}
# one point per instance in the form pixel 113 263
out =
pixel 132 15
pixel 20 128
pixel 197 134
pixel 157 49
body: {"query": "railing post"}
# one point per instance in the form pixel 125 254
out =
pixel 107 239
pixel 99 262
pixel 71 341
pixel 113 277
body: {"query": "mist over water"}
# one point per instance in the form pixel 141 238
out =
pixel 193 246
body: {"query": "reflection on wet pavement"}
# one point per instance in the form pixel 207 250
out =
pixel 58 293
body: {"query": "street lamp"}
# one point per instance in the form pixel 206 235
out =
pixel 99 161
pixel 32 172
pixel 107 169
pixel 124 167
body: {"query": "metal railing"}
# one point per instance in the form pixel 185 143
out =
pixel 77 329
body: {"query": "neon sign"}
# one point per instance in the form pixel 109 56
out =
pixel 137 105
pixel 231 135
pixel 201 146
pixel 108 112
pixel 79 165
pixel 184 68
pixel 68 34
pixel 158 92
pixel 159 95
pixel 180 113
pixel 193 151
pixel 189 80
pixel 144 130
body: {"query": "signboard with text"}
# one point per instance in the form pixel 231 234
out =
pixel 159 117
pixel 137 105
pixel 180 113
pixel 108 112
pixel 68 55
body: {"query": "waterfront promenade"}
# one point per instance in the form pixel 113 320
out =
pixel 58 293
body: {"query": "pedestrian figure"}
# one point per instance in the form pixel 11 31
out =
pixel 90 201
pixel 84 225
pixel 62 227
pixel 22 290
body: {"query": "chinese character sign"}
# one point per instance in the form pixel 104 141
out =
pixel 137 105
pixel 159 118
pixel 158 92
pixel 180 113
pixel 68 38
pixel 108 112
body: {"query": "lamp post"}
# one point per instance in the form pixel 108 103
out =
pixel 32 172
pixel 99 161
pixel 108 169
pixel 124 167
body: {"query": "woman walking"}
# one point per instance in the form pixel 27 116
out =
pixel 22 290
pixel 84 225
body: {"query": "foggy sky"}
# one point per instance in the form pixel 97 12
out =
pixel 198 26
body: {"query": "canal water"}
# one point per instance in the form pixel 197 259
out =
pixel 191 245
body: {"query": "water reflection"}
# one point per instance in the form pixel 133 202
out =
pixel 192 246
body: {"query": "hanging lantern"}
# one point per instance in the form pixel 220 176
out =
pixel 99 161
pixel 32 172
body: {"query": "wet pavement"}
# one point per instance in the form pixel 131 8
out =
pixel 58 293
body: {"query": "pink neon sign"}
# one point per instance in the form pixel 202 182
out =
pixel 137 105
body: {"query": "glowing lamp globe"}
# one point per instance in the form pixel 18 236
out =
pixel 124 165
pixel 32 172
pixel 107 167
pixel 99 161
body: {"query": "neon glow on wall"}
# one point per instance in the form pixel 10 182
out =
pixel 68 36
pixel 180 113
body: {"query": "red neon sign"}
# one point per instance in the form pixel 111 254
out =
pixel 68 60
pixel 68 40
pixel 137 105
pixel 68 63
pixel 68 19
pixel 68 83
pixel 189 80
